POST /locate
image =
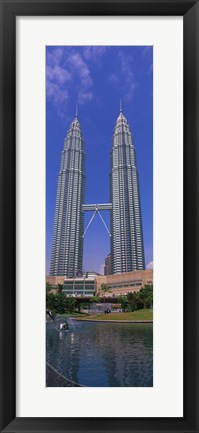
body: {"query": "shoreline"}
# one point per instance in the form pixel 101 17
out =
pixel 55 379
pixel 115 320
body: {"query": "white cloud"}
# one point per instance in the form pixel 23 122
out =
pixel 129 79
pixel 55 93
pixel 147 54
pixel 56 77
pixel 150 265
pixel 150 68
pixel 66 65
pixel 54 57
pixel 82 71
pixel 79 65
pixel 94 53
pixel 146 51
pixel 57 73
pixel 113 78
pixel 84 96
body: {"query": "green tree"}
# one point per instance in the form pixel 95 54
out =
pixel 78 305
pixel 132 301
pixel 48 287
pixel 104 288
pixel 123 302
pixel 95 299
pixel 60 303
pixel 50 301
pixel 60 288
pixel 71 304
pixel 146 296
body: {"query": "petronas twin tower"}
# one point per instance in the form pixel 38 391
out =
pixel 127 248
pixel 126 235
pixel 67 245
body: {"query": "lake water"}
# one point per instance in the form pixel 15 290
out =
pixel 102 354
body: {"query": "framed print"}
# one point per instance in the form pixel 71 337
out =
pixel 90 300
pixel 99 209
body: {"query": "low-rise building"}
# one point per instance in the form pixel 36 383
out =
pixel 81 286
pixel 121 284
pixel 90 283
pixel 54 281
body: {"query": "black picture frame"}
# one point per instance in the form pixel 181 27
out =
pixel 10 9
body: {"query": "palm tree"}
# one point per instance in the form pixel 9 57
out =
pixel 104 288
pixel 95 299
pixel 146 296
pixel 60 288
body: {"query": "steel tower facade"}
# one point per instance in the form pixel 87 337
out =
pixel 127 247
pixel 67 245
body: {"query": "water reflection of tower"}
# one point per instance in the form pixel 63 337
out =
pixel 131 368
pixel 67 355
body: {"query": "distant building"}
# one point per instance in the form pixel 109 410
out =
pixel 107 267
pixel 81 286
pixel 90 282
pixel 121 284
pixel 54 280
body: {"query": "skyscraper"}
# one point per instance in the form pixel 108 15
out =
pixel 67 245
pixel 127 247
pixel 126 235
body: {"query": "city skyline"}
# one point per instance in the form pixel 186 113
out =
pixel 97 118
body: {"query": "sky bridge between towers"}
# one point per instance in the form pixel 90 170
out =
pixel 96 208
pixel 103 206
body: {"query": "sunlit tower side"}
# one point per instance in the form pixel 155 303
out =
pixel 127 246
pixel 67 245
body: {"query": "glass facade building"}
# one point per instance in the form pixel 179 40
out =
pixel 127 247
pixel 67 245
pixel 126 234
pixel 83 286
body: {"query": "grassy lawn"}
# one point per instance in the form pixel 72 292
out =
pixel 135 315
pixel 74 314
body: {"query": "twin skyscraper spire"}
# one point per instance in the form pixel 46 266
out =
pixel 126 240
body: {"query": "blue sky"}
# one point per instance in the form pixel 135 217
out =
pixel 96 78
